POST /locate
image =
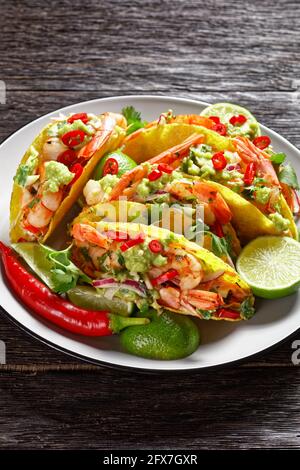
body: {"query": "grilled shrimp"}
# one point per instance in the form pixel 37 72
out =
pixel 173 157
pixel 250 153
pixel 190 300
pixel 190 272
pixel 86 233
pixel 215 207
pixel 52 148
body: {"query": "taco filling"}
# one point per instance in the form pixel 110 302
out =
pixel 248 171
pixel 154 267
pixel 166 186
pixel 51 167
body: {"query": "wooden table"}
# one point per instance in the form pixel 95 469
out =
pixel 51 56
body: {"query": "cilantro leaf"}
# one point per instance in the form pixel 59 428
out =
pixel 278 158
pixel 205 314
pixel 288 176
pixel 131 114
pixel 247 309
pixel 219 245
pixel 64 273
pixel 21 175
pixel 133 118
pixel 54 268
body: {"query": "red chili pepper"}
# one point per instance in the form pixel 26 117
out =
pixel 32 229
pixel 38 298
pixel 132 242
pixel 227 313
pixel 111 167
pixel 67 157
pixel 155 246
pixel 249 173
pixel 219 161
pixel 116 236
pixel 238 120
pixel 220 128
pixel 73 138
pixel 77 169
pixel 262 142
pixel 165 168
pixel 78 117
pixel 154 175
pixel 164 277
pixel 215 119
pixel 217 229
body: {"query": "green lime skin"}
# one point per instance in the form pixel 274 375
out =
pixel 125 164
pixel 90 298
pixel 169 336
pixel 225 111
pixel 271 266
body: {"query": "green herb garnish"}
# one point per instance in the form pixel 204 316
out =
pixel 133 118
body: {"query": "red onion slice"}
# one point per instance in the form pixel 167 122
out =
pixel 129 284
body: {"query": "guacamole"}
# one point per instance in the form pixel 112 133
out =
pixel 57 175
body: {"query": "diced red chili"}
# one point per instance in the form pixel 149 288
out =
pixel 73 138
pixel 217 229
pixel 164 277
pixel 155 246
pixel 111 167
pixel 219 161
pixel 262 142
pixel 77 169
pixel 227 313
pixel 154 175
pixel 165 168
pixel 249 173
pixel 215 119
pixel 31 228
pixel 67 157
pixel 220 128
pixel 78 117
pixel 238 120
pixel 132 242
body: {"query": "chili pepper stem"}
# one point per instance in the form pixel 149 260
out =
pixel 118 323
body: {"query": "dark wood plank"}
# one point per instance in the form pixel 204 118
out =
pixel 57 53
pixel 157 45
pixel 221 409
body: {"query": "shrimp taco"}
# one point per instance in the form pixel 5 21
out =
pixel 55 168
pixel 179 218
pixel 155 267
pixel 160 182
pixel 260 194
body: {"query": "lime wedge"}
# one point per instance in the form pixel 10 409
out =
pixel 271 266
pixel 90 298
pixel 125 164
pixel 225 111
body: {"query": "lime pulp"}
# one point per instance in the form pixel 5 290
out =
pixel 271 266
pixel 125 164
pixel 225 111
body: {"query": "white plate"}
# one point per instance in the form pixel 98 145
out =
pixel 222 342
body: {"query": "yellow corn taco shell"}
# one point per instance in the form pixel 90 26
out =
pixel 148 143
pixel 211 263
pixel 248 221
pixel 111 141
pixel 129 211
pixel 114 211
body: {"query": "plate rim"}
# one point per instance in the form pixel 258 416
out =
pixel 111 365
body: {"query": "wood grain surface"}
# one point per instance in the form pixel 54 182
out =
pixel 57 53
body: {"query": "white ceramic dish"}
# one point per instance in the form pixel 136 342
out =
pixel 222 343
